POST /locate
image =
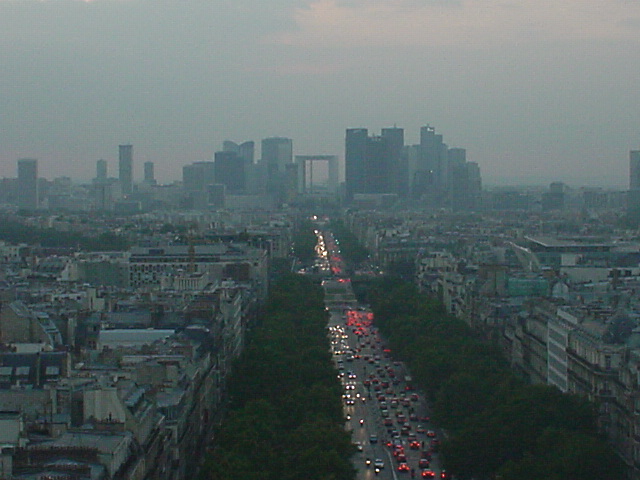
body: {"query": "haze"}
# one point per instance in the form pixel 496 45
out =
pixel 535 90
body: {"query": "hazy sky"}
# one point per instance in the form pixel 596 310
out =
pixel 535 90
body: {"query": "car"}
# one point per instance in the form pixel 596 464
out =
pixel 403 467
pixel 428 473
pixel 444 475
pixel 415 445
pixel 431 433
pixel 420 429
pixel 423 463
pixel 378 463
pixel 373 439
pixel 359 446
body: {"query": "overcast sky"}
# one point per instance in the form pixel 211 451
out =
pixel 535 90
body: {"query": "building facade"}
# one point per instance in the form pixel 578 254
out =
pixel 125 168
pixel 28 191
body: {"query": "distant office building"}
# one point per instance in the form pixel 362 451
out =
pixel 633 196
pixel 105 194
pixel 634 170
pixel 457 156
pixel 197 176
pixel 372 164
pixel 28 194
pixel 125 169
pixel 277 153
pixel 464 184
pixel 245 150
pixel 216 195
pixel 101 170
pixel 355 157
pixel 379 168
pixel 149 175
pixel 229 170
pixel 430 177
pixel 395 143
pixel 554 199
pixel 196 179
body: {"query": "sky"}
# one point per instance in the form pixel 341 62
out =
pixel 535 90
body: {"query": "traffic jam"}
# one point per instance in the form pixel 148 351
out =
pixel 388 418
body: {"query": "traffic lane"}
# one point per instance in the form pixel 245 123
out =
pixel 373 424
pixel 371 414
pixel 362 433
pixel 368 411
pixel 419 410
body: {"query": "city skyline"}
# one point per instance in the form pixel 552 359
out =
pixel 535 91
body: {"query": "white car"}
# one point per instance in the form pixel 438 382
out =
pixel 378 463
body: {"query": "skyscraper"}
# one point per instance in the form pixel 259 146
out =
pixel 355 154
pixel 372 164
pixel 245 150
pixel 633 195
pixel 634 170
pixel 229 170
pixel 101 170
pixel 125 169
pixel 431 169
pixel 399 166
pixel 28 198
pixel 197 176
pixel 277 152
pixel 149 176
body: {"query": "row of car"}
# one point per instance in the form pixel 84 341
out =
pixel 397 402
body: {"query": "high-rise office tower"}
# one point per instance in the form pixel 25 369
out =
pixel 633 195
pixel 399 163
pixel 379 167
pixel 229 170
pixel 433 156
pixel 634 170
pixel 149 175
pixel 372 164
pixel 430 175
pixel 125 169
pixel 28 198
pixel 197 176
pixel 101 170
pixel 277 153
pixel 196 179
pixel 355 155
pixel 457 156
pixel 245 150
